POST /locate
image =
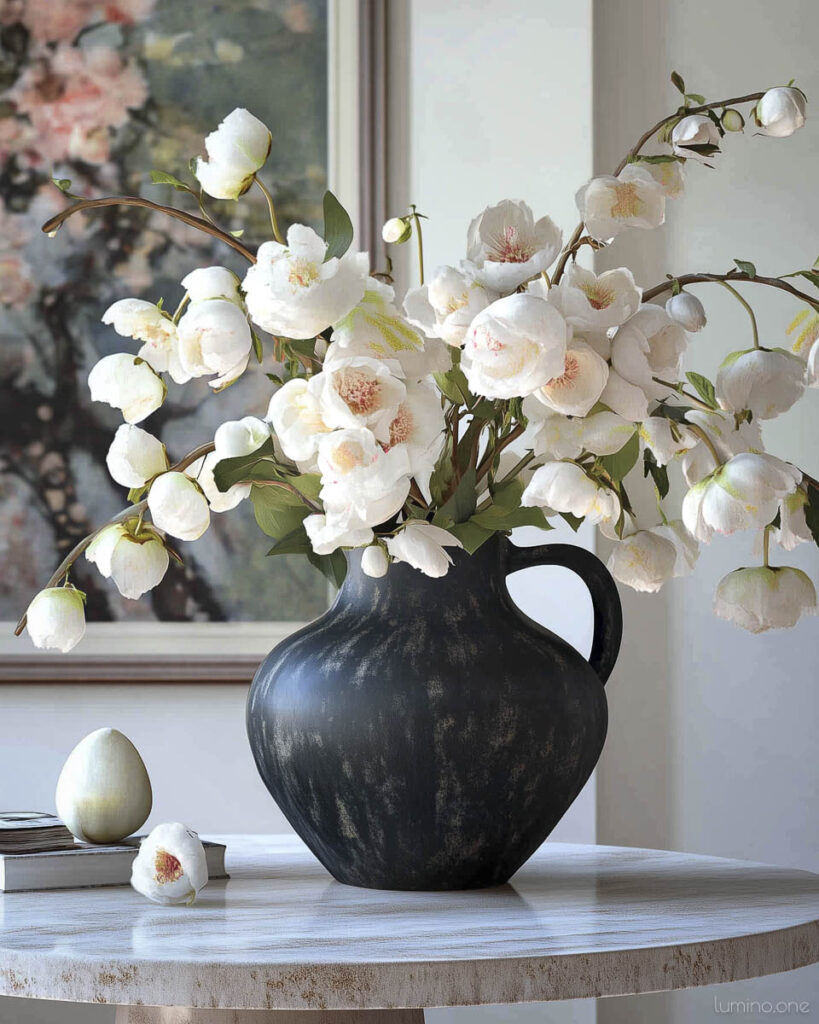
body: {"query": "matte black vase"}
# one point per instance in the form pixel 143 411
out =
pixel 424 733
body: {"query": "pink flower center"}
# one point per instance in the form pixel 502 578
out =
pixel 358 391
pixel 166 867
pixel 598 295
pixel 303 273
pixel 401 426
pixel 509 248
pixel 570 373
pixel 627 202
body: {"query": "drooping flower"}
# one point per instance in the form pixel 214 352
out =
pixel 374 562
pixel 136 562
pixel 580 385
pixel 329 532
pixel 127 383
pixel 565 487
pixel 604 433
pixel 236 150
pixel 781 112
pixel 292 291
pixel 650 345
pixel 587 300
pixel 695 137
pixel 212 283
pixel 362 485
pixel 726 436
pixel 633 199
pixel 765 597
pixel 447 304
pixel 135 456
pixel 295 416
pixel 214 338
pixel 359 392
pixel 144 321
pixel 419 425
pixel 514 347
pixel 669 174
pixel 793 528
pixel 178 506
pixel 170 867
pixel 550 433
pixel 687 310
pixel 646 559
pixel 624 398
pixel 665 438
pixel 506 245
pixel 423 546
pixel 55 619
pixel 743 493
pixel 766 381
pixel 233 438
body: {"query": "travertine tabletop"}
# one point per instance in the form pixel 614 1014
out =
pixel 282 935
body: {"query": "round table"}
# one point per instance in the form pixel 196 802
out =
pixel 282 936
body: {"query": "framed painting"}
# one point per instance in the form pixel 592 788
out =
pixel 95 92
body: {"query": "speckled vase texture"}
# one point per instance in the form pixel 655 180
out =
pixel 424 734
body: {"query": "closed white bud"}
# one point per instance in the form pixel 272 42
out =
pixel 236 150
pixel 135 562
pixel 135 456
pixel 732 120
pixel 765 597
pixel 56 618
pixel 374 562
pixel 781 112
pixel 127 383
pixel 687 310
pixel 178 506
pixel 397 230
pixel 171 866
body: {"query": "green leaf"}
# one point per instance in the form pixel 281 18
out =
pixel 308 484
pixel 574 521
pixel 810 275
pixel 333 567
pixel 239 233
pixel 163 178
pixel 278 512
pixel 503 519
pixel 746 267
pixel 622 461
pixel 508 495
pixel 695 97
pixel 704 388
pixel 677 81
pixel 659 158
pixel 338 228
pixel 812 511
pixel 470 534
pixel 452 384
pixel 257 345
pixel 659 474
pixel 295 543
pixel 232 471
pixel 64 185
pixel 462 503
pixel 467 444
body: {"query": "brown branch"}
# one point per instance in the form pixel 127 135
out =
pixel 187 218
pixel 732 275
pixel 484 467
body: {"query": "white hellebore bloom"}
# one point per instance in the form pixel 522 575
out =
pixel 587 300
pixel 170 866
pixel 136 564
pixel 549 433
pixel 374 562
pixel 419 425
pixel 447 304
pixel 565 487
pixel 514 347
pixel 766 381
pixel 743 493
pixel 647 559
pixel 360 392
pixel 214 338
pixel 56 618
pixel 765 597
pixel 725 436
pixel 695 137
pixel 781 111
pixel 291 290
pixel 686 310
pixel 135 456
pixel 580 385
pixel 624 398
pixel 362 485
pixel 605 433
pixel 631 200
pixel 505 245
pixel 649 345
pixel 793 528
pixel 212 283
pixel 236 150
pixel 234 438
pixel 665 438
pixel 144 321
pixel 670 175
pixel 178 506
pixel 397 230
pixel 294 414
pixel 329 532
pixel 423 546
pixel 127 383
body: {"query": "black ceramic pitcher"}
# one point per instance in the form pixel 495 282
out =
pixel 425 733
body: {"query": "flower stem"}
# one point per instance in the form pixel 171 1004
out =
pixel 419 236
pixel 766 545
pixel 706 440
pixel 271 206
pixel 732 275
pixel 185 299
pixel 751 314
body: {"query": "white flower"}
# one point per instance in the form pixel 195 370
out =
pixel 419 425
pixel 374 562
pixel 631 200
pixel 56 618
pixel 580 385
pixel 695 137
pixel 605 433
pixel 765 597
pixel 766 381
pixel 397 230
pixel 647 559
pixel 329 532
pixel 136 563
pixel 447 304
pixel 236 150
pixel 505 245
pixel 178 506
pixel 781 111
pixel 127 383
pixel 233 438
pixel 423 546
pixel 686 310
pixel 743 493
pixel 624 398
pixel 793 528
pixel 360 392
pixel 649 345
pixel 295 416
pixel 812 372
pixel 587 300
pixel 144 321
pixel 212 283
pixel 670 175
pixel 565 487
pixel 549 433
pixel 514 347
pixel 135 456
pixel 362 485
pixel 170 866
pixel 726 437
pixel 292 291
pixel 666 438
pixel 214 337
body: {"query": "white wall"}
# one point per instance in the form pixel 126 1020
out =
pixel 711 745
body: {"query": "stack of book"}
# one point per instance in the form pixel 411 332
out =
pixel 38 852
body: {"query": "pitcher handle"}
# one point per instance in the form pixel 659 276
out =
pixel 608 612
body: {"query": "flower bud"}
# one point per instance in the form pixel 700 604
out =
pixel 128 384
pixel 56 618
pixel 236 150
pixel 781 112
pixel 136 562
pixel 170 866
pixel 765 597
pixel 374 562
pixel 686 310
pixel 397 230
pixel 135 456
pixel 732 120
pixel 178 506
